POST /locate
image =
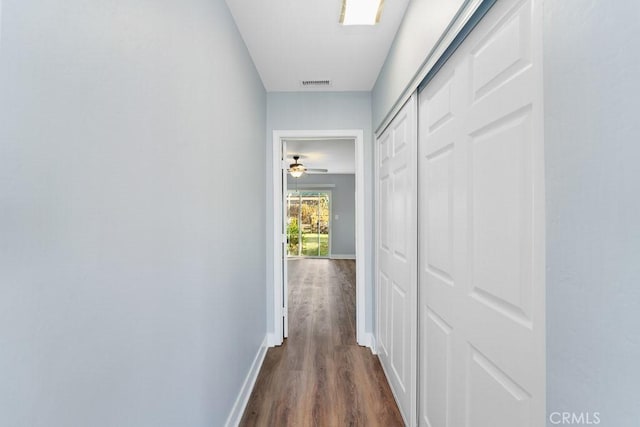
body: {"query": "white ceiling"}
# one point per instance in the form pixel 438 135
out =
pixel 294 40
pixel 336 155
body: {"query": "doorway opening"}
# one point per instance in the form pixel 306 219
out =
pixel 305 223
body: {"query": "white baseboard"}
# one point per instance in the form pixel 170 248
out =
pixel 372 342
pixel 368 340
pixel 342 256
pixel 272 341
pixel 233 420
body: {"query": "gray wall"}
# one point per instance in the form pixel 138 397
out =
pixel 128 293
pixel 343 204
pixel 421 28
pixel 321 111
pixel 592 64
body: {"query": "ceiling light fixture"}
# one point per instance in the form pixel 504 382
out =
pixel 296 169
pixel 361 12
pixel 297 172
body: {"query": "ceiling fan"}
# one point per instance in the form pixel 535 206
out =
pixel 297 169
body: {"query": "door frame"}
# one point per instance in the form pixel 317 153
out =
pixel 279 299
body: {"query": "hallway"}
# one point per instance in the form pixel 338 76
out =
pixel 320 376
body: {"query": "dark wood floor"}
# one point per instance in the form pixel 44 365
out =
pixel 320 376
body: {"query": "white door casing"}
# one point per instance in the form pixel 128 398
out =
pixel 396 250
pixel 481 225
pixel 276 226
pixel 284 246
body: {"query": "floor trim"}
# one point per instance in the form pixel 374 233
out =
pixel 273 340
pixel 342 256
pixel 233 420
pixel 371 342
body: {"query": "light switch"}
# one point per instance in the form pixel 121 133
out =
pixel 337 216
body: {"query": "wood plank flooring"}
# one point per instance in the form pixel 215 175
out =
pixel 320 376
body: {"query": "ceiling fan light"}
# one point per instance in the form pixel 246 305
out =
pixel 361 12
pixel 296 171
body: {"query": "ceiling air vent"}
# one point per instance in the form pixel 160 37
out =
pixel 315 83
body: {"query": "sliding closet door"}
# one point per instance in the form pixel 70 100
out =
pixel 396 257
pixel 481 182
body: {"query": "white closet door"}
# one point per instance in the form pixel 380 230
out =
pixel 396 256
pixel 481 183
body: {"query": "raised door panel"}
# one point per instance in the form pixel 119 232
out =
pixel 382 317
pixel 401 192
pixel 501 227
pixel 495 399
pixel 435 369
pixel 399 338
pixel 438 215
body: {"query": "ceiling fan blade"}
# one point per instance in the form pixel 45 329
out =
pixel 313 170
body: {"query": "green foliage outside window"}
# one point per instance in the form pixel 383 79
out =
pixel 292 235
